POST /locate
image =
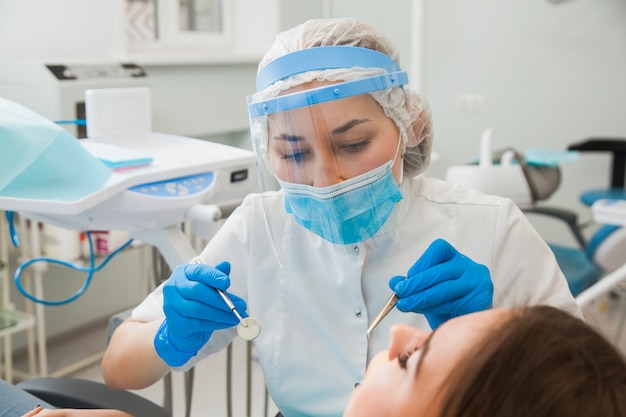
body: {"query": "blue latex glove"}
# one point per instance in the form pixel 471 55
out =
pixel 443 284
pixel 194 310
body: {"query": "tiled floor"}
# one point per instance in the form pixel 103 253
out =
pixel 209 393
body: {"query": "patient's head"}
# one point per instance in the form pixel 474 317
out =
pixel 537 361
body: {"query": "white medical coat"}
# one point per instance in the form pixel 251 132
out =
pixel 315 311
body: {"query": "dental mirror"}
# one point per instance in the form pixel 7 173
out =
pixel 249 327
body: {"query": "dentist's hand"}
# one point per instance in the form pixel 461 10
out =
pixel 193 311
pixel 443 284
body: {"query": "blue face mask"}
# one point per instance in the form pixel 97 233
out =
pixel 348 212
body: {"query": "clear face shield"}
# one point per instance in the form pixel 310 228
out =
pixel 327 144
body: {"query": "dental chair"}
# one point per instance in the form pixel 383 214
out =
pixel 608 243
pixel 83 394
pixel 67 392
pixel 604 251
pixel 617 148
pixel 75 393
pixel 508 173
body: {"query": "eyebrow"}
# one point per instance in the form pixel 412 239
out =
pixel 349 125
pixel 338 131
pixel 288 138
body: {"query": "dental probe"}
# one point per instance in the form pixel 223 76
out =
pixel 389 305
pixel 230 304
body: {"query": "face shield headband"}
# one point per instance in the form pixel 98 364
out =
pixel 324 58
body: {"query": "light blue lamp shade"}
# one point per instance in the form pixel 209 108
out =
pixel 41 160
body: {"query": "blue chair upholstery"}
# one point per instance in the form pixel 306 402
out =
pixel 577 263
pixel 581 272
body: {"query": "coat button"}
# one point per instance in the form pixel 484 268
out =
pixel 358 312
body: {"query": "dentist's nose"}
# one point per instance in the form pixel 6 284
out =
pixel 327 173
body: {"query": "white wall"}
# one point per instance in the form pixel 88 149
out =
pixel 70 30
pixel 58 30
pixel 196 92
pixel 551 75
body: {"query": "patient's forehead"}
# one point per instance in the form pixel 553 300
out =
pixel 479 322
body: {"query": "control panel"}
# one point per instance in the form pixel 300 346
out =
pixel 178 187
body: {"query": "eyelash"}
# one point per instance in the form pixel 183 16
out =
pixel 293 156
pixel 403 357
pixel 356 147
pixel 353 148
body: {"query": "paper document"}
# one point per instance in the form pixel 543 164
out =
pixel 116 157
